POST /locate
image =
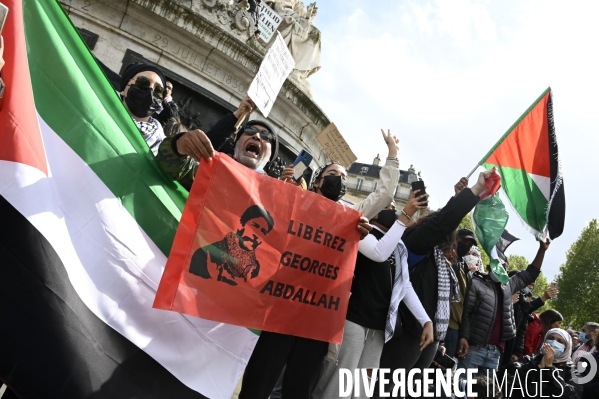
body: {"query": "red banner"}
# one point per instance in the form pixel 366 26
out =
pixel 257 252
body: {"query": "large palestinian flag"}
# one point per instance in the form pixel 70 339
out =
pixel 527 159
pixel 87 221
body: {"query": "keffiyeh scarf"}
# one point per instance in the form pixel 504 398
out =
pixel 449 290
pixel 398 258
pixel 152 133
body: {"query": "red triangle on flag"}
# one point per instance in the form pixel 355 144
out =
pixel 19 128
pixel 526 147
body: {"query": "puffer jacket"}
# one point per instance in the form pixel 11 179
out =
pixel 481 306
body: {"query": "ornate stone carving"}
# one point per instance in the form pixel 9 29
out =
pixel 210 3
pixel 242 20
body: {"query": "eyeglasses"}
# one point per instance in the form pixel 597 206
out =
pixel 264 134
pixel 143 83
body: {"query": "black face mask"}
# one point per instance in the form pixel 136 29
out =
pixel 463 249
pixel 386 218
pixel 142 103
pixel 333 187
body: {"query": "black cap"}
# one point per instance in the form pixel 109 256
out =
pixel 274 146
pixel 467 234
pixel 134 69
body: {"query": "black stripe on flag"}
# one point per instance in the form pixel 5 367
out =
pixel 556 215
pixel 51 344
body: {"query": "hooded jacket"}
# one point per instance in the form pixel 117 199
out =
pixel 481 306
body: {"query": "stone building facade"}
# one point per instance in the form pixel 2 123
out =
pixel 208 50
pixel 363 179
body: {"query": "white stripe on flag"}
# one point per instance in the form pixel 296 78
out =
pixel 115 268
pixel 543 183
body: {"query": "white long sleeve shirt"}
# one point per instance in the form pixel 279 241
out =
pixel 380 251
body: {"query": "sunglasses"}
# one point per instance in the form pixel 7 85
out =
pixel 264 134
pixel 143 83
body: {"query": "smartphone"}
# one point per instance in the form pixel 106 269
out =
pixel 554 285
pixel 444 361
pixel 302 162
pixel 419 185
pixel 3 15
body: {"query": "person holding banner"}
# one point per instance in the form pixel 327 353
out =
pixel 381 282
pixel 179 155
pixel 302 357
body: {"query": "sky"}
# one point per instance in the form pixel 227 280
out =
pixel 450 77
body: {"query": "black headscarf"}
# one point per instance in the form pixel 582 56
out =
pixel 274 146
pixel 134 69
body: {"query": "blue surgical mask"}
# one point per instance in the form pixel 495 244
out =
pixel 558 347
pixel 583 337
pixel 526 291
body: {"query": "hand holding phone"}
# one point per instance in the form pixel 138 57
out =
pixel 302 162
pixel 419 185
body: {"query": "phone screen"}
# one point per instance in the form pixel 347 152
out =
pixel 3 15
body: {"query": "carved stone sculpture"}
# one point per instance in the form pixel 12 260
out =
pixel 303 39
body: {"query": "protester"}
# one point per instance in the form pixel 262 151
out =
pixel 588 336
pixel 180 154
pixel 522 314
pixel 434 237
pixel 590 390
pixel 302 357
pixel 575 341
pixel 381 282
pixel 468 262
pixel 547 372
pixel 487 321
pixel 142 90
pixel 169 110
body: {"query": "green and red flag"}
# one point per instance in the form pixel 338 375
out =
pixel 527 159
pixel 88 220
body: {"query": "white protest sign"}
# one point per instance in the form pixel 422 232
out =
pixel 275 68
pixel 268 22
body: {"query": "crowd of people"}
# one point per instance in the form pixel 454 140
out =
pixel 420 292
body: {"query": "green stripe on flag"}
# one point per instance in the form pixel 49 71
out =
pixel 490 218
pixel 525 196
pixel 73 96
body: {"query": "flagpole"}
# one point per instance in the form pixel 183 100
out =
pixel 473 170
pixel 240 120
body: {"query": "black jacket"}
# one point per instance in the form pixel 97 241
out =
pixel 552 381
pixel 421 241
pixel 481 306
pixel 169 110
pixel 591 389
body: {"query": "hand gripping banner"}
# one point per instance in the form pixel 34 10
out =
pixel 261 253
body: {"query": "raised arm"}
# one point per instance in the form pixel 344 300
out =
pixel 380 250
pixel 528 276
pixel 389 176
pixel 423 238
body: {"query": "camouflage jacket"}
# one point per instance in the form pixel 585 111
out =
pixel 182 167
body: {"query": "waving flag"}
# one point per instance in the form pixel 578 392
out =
pixel 527 159
pixel 88 219
pixel 489 219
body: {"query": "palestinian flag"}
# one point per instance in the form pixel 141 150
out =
pixel 88 219
pixel 527 159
